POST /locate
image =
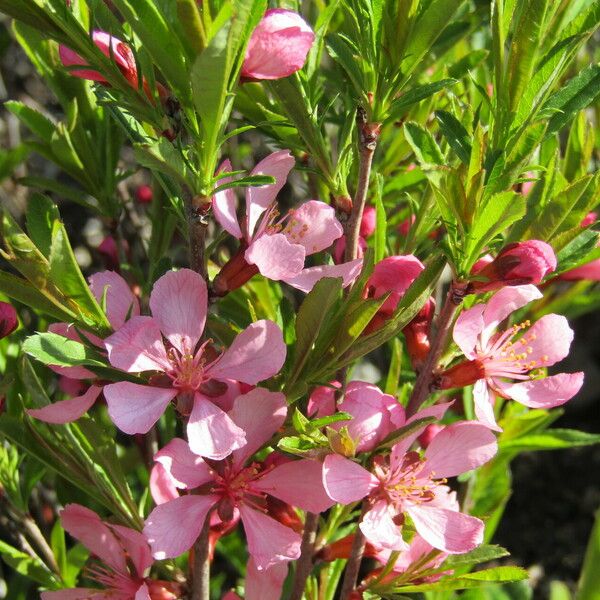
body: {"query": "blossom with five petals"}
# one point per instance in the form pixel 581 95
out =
pixel 125 555
pixel 494 356
pixel 406 482
pixel 277 246
pixel 188 371
pixel 233 484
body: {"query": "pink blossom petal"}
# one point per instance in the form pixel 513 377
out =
pixel 322 402
pixel 266 584
pixel 590 271
pixel 143 593
pixel 173 527
pixel 346 481
pixel 314 226
pixel 503 303
pixel 458 448
pixel 446 530
pixel 278 47
pixel 179 302
pixel 162 486
pixel 260 413
pixel 269 542
pixel 135 408
pixel 258 199
pixel 121 303
pixel 307 278
pixel 401 448
pixel 299 483
pixel 87 527
pixel 224 204
pixel 257 353
pixel 186 469
pixel 468 328
pixel 483 399
pixel 136 546
pixel 67 411
pixel 548 340
pixel 137 346
pixel 545 393
pixel 379 528
pixel 275 256
pixel 211 431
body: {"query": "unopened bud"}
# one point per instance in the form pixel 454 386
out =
pixel 8 319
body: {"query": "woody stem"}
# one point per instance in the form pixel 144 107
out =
pixel 197 209
pixel 305 562
pixel 425 378
pixel 201 565
pixel 367 134
pixel 356 555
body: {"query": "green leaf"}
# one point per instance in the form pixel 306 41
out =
pixel 52 349
pixel 32 567
pixel 401 105
pixel 250 181
pixel 469 580
pixel 456 135
pixel 588 587
pixel 35 121
pixel 559 591
pixel 551 439
pixel 41 213
pixel 312 314
pixel 162 156
pixel 59 547
pixel 380 222
pixel 494 216
pixel 483 553
pixel 423 144
pixel 579 93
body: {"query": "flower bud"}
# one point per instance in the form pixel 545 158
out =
pixel 368 221
pixel 112 47
pixel 517 264
pixel 143 194
pixel 428 434
pixel 163 590
pixel 278 46
pixel 8 319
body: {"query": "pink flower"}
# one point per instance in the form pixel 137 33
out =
pixel 236 485
pixel 109 251
pixel 406 482
pixel 429 433
pixel 278 46
pixel 187 370
pixel 516 264
pixel 125 555
pixel 262 585
pixel 277 247
pixel 515 354
pixel 9 320
pixel 589 219
pixel 527 186
pixel 374 415
pixel 121 54
pixel 120 303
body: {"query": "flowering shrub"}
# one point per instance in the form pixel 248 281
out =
pixel 333 248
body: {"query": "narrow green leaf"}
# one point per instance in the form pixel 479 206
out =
pixel 424 146
pixel 588 587
pixel 551 439
pixel 456 135
pixel 52 349
pixel 32 567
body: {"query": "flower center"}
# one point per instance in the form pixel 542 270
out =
pixel 188 371
pixel 234 485
pixel 406 482
pixel 510 357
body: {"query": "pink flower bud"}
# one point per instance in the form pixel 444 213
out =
pixel 8 319
pixel 368 222
pixel 164 590
pixel 404 226
pixel 143 194
pixel 339 248
pixel 516 264
pixel 278 46
pixel 527 186
pixel 589 219
pixel 121 54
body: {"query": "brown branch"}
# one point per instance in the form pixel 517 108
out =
pixel 367 138
pixel 200 589
pixel 304 564
pixel 356 554
pixel 426 375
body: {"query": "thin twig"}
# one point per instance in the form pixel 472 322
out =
pixel 198 208
pixel 305 562
pixel 201 565
pixel 422 387
pixel 356 554
pixel 367 136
